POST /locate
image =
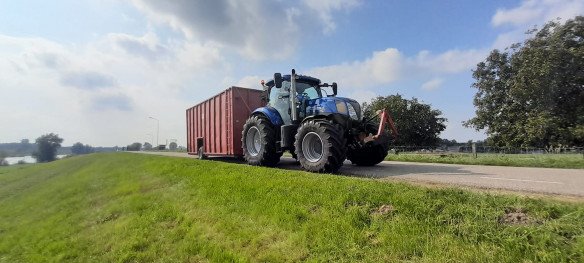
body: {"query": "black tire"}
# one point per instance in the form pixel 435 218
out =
pixel 332 153
pixel 370 153
pixel 201 154
pixel 262 150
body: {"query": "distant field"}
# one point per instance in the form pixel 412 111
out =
pixel 130 207
pixel 574 161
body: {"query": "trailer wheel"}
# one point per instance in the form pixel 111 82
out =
pixel 259 142
pixel 320 147
pixel 201 154
pixel 369 154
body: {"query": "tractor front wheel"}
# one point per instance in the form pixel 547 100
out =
pixel 259 142
pixel 320 146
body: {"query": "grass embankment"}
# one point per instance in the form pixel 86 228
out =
pixel 130 207
pixel 574 161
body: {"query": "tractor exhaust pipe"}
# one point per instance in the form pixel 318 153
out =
pixel 293 99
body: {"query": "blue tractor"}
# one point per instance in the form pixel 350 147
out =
pixel 318 128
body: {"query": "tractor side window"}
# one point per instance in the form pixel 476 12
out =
pixel 277 93
pixel 307 89
pixel 312 93
pixel 280 100
pixel 273 95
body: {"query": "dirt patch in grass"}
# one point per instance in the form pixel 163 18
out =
pixel 384 210
pixel 110 217
pixel 515 216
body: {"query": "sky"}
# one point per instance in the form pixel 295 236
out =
pixel 94 71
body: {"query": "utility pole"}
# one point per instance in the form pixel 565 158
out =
pixel 151 138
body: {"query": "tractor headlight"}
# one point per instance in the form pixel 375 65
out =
pixel 352 113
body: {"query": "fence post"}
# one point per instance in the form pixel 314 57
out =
pixel 474 150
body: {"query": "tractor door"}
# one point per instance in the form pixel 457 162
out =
pixel 280 100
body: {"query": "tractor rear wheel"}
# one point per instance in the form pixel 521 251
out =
pixel 370 153
pixel 320 146
pixel 259 142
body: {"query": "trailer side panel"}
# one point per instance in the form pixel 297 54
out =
pixel 217 123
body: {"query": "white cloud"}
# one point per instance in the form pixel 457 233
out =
pixel 87 80
pixel 362 95
pixel 147 46
pixel 250 27
pixel 527 12
pixel 257 29
pixel 381 68
pixel 451 61
pixel 390 65
pixel 101 93
pixel 325 8
pixel 532 12
pixel 251 82
pixel 432 84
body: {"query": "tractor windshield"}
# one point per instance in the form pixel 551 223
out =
pixel 309 90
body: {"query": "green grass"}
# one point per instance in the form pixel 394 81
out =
pixel 124 207
pixel 574 161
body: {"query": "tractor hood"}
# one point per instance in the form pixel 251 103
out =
pixel 328 105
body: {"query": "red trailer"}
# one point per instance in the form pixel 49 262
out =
pixel 215 125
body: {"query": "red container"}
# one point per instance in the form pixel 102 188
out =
pixel 216 124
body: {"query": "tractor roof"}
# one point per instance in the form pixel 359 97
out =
pixel 300 78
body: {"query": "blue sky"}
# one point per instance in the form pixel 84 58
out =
pixel 94 70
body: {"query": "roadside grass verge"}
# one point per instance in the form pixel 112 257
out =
pixel 130 207
pixel 573 161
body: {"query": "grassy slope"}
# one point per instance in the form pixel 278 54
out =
pixel 520 160
pixel 129 207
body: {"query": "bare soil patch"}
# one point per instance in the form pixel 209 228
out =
pixel 384 210
pixel 515 216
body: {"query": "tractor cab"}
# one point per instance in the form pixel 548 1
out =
pixel 307 90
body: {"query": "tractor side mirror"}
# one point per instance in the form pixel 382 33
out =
pixel 278 80
pixel 335 88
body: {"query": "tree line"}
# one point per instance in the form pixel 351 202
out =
pixel 46 148
pixel 148 147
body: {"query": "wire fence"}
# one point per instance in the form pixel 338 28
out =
pixel 485 149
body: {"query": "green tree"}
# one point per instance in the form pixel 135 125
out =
pixel 3 161
pixel 79 148
pixel 47 147
pixel 417 123
pixel 532 94
pixel 172 146
pixel 134 147
pixel 446 142
pixel 147 146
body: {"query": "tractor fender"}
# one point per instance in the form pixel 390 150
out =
pixel 270 113
pixel 337 118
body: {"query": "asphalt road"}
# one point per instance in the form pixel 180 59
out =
pixel 565 182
